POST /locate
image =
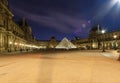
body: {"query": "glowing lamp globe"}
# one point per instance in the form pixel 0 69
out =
pixel 103 31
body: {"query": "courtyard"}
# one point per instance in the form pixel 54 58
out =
pixel 60 67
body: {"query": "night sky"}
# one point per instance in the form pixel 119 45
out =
pixel 67 18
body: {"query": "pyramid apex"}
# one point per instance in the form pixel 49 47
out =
pixel 65 38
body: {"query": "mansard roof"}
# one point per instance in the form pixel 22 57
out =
pixel 95 28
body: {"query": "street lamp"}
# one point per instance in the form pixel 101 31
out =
pixel 103 32
pixel 16 43
pixel 115 37
pixel 10 43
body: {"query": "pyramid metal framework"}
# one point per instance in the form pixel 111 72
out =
pixel 65 44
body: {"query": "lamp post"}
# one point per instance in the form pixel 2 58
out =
pixel 115 37
pixel 10 43
pixel 103 32
pixel 15 46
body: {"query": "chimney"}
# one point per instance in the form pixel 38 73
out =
pixel 23 21
pixel 98 28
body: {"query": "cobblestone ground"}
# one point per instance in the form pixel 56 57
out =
pixel 66 67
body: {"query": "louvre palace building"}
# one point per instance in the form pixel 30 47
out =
pixel 13 35
pixel 99 38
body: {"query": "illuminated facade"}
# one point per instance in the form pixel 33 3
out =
pixel 13 36
pixel 98 40
pixel 47 44
pixel 43 44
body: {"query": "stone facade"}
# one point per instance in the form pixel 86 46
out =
pixel 52 43
pixel 98 40
pixel 13 35
pixel 47 44
pixel 43 44
pixel 110 40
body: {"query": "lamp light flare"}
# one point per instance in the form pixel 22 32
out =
pixel 10 42
pixel 118 1
pixel 84 25
pixel 89 21
pixel 16 43
pixel 115 36
pixel 103 31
